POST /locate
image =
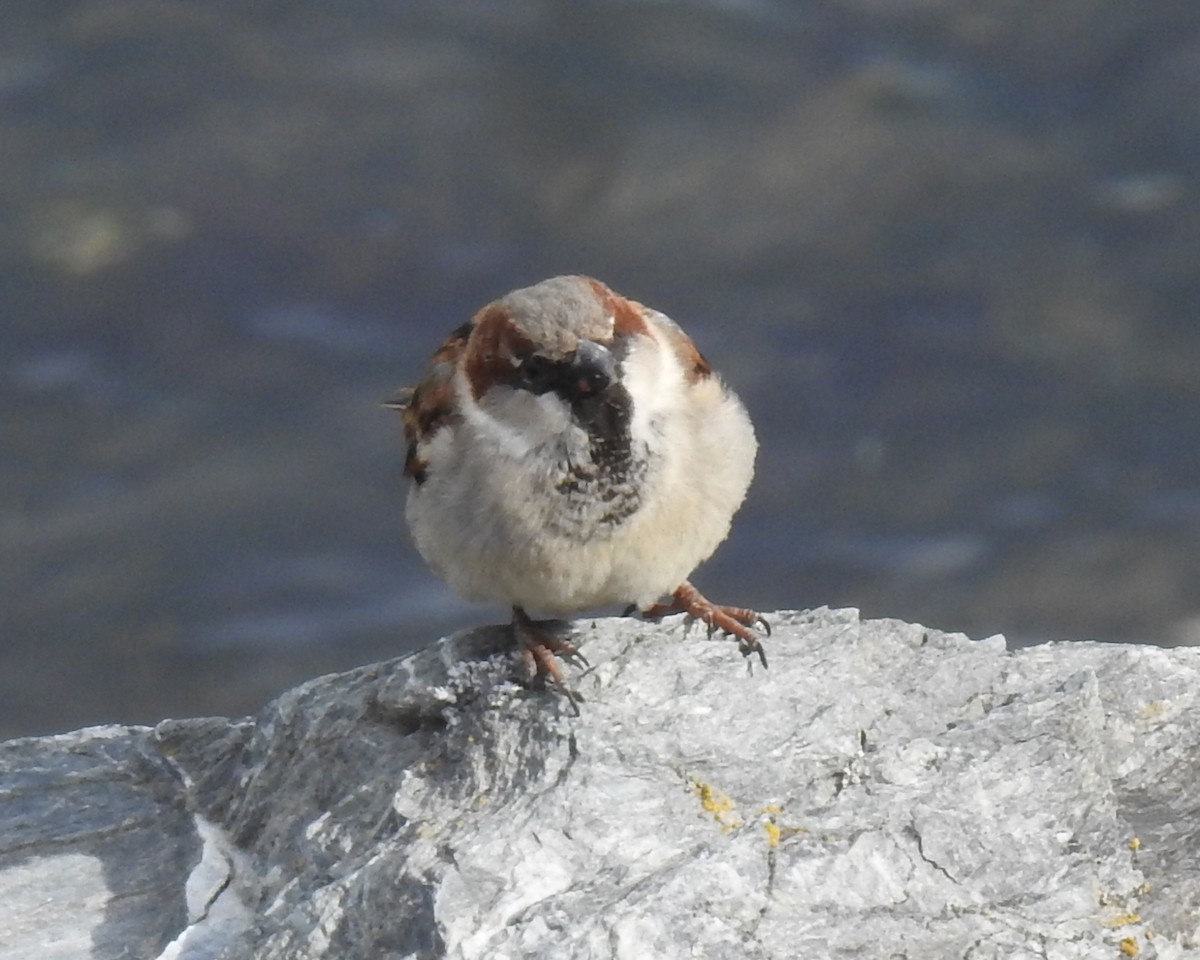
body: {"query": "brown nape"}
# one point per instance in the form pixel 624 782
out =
pixel 490 350
pixel 628 318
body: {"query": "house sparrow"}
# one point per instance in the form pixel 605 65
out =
pixel 569 448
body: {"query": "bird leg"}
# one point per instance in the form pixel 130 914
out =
pixel 736 621
pixel 540 652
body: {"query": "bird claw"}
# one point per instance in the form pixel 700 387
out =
pixel 735 621
pixel 747 647
pixel 572 698
pixel 573 657
pixel 541 653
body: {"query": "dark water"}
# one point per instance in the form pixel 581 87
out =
pixel 946 251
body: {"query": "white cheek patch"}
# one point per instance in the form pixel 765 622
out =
pixel 439 447
pixel 655 381
pixel 515 422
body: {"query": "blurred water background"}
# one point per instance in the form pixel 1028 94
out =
pixel 946 250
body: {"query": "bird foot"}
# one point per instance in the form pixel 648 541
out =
pixel 735 621
pixel 541 652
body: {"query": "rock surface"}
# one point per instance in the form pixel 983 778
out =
pixel 883 790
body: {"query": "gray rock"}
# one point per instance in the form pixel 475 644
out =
pixel 882 790
pixel 96 845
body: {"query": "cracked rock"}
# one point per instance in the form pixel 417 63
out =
pixel 882 790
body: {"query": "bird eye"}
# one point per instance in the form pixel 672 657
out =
pixel 537 374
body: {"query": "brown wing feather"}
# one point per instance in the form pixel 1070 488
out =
pixel 429 406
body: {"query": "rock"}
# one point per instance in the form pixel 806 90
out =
pixel 881 790
pixel 96 844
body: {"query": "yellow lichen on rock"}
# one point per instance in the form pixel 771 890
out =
pixel 774 834
pixel 719 805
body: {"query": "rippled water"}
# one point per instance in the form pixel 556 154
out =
pixel 945 253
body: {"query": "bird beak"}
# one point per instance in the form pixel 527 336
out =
pixel 592 368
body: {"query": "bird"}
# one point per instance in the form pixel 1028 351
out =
pixel 569 448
